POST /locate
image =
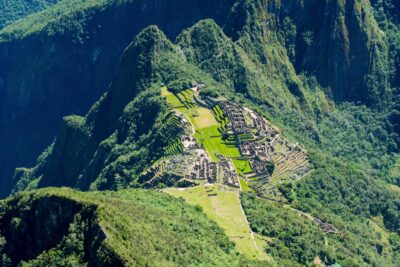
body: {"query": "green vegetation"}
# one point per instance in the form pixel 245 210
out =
pixel 293 239
pixel 243 166
pixel 51 20
pixel 211 139
pixel 17 9
pixel 282 62
pixel 119 138
pixel 244 186
pixel 124 228
pixel 224 208
pixel 208 129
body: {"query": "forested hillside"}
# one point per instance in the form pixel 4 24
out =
pixel 122 136
pixel 13 10
pixel 325 73
pixel 61 227
pixel 78 59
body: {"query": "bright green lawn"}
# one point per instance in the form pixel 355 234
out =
pixel 243 166
pixel 171 98
pixel 212 140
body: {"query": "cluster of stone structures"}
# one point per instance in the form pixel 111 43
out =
pixel 193 165
pixel 228 172
pixel 203 168
pixel 253 135
pixel 273 159
pixel 237 120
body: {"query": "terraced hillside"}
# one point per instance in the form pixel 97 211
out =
pixel 229 145
pixel 219 147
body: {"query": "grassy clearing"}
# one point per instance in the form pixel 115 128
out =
pixel 224 208
pixel 206 125
pixel 245 186
pixel 242 166
pixel 205 118
pixel 171 98
pixel 212 141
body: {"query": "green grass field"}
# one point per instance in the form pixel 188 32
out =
pixel 205 124
pixel 205 118
pixel 171 98
pixel 212 141
pixel 242 166
pixel 245 186
pixel 224 208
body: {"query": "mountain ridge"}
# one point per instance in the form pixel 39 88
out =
pixel 264 109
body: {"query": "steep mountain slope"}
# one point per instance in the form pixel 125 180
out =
pixel 278 38
pixel 17 9
pixel 62 227
pixel 272 59
pixel 61 60
pixel 295 238
pixel 124 134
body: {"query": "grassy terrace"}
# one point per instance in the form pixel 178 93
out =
pixel 224 208
pixel 220 204
pixel 207 127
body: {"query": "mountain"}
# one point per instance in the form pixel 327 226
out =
pixel 84 228
pixel 78 60
pixel 132 128
pixel 279 35
pixel 277 119
pixel 11 11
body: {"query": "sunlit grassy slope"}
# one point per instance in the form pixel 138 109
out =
pixel 135 227
pixel 207 128
pixel 224 208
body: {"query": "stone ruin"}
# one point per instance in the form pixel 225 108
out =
pixel 273 159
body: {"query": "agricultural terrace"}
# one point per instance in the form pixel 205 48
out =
pixel 224 207
pixel 208 128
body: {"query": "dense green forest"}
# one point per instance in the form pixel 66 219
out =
pixel 11 11
pixel 295 239
pixel 332 86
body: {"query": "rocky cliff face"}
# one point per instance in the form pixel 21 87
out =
pixel 342 44
pixel 64 67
